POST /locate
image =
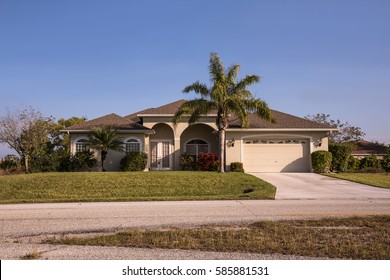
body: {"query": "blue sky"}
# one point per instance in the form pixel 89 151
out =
pixel 91 58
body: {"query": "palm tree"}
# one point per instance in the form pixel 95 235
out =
pixel 227 95
pixel 103 139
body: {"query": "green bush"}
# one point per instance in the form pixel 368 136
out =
pixel 134 161
pixel 237 167
pixel 340 156
pixel 386 163
pixel 321 161
pixel 208 162
pixel 370 164
pixel 10 163
pixel 187 162
pixel 353 164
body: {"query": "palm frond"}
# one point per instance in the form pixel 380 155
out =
pixel 194 109
pixel 198 88
pixel 247 81
pixel 232 73
pixel 216 68
pixel 261 108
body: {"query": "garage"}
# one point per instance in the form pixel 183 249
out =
pixel 276 155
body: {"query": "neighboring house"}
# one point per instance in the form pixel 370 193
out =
pixel 285 146
pixel 363 148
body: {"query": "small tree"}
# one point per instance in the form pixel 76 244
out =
pixel 26 131
pixel 103 139
pixel 345 133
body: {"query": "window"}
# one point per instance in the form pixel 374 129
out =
pixel 132 145
pixel 197 146
pixel 81 145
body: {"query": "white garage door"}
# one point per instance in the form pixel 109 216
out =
pixel 280 155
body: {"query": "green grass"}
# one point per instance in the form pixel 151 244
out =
pixel 345 238
pixel 131 186
pixel 381 180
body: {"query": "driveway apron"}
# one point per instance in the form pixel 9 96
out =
pixel 315 186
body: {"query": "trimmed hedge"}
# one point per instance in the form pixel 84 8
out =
pixel 321 161
pixel 134 161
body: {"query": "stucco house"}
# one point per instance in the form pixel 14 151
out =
pixel 284 146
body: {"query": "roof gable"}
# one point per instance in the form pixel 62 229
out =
pixel 112 120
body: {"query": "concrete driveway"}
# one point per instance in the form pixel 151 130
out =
pixel 314 186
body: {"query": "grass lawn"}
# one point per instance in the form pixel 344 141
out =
pixel 346 238
pixel 381 180
pixel 131 186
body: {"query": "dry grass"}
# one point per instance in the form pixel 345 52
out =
pixel 346 238
pixel 33 255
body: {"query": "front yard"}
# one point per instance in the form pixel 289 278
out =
pixel 381 180
pixel 131 186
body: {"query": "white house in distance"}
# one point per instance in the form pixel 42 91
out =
pixel 284 146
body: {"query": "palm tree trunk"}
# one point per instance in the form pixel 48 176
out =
pixel 102 158
pixel 222 150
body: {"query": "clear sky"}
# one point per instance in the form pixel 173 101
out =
pixel 91 58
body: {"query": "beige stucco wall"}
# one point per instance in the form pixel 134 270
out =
pixel 113 157
pixel 163 127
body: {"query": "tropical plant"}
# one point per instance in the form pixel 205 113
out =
pixel 103 139
pixel 226 96
pixel 208 162
pixel 187 162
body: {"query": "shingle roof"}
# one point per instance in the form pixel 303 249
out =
pixel 168 109
pixel 363 147
pixel 112 120
pixel 133 121
pixel 283 120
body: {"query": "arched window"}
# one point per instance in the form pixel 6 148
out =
pixel 81 145
pixel 197 146
pixel 132 145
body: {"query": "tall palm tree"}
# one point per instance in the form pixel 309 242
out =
pixel 103 139
pixel 226 95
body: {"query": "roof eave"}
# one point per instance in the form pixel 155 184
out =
pixel 172 115
pixel 146 131
pixel 281 129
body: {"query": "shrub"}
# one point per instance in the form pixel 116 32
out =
pixel 237 167
pixel 208 162
pixel 134 161
pixel 386 163
pixel 353 164
pixel 370 164
pixel 321 161
pixel 10 163
pixel 340 156
pixel 187 162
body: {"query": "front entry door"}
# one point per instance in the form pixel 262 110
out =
pixel 160 151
